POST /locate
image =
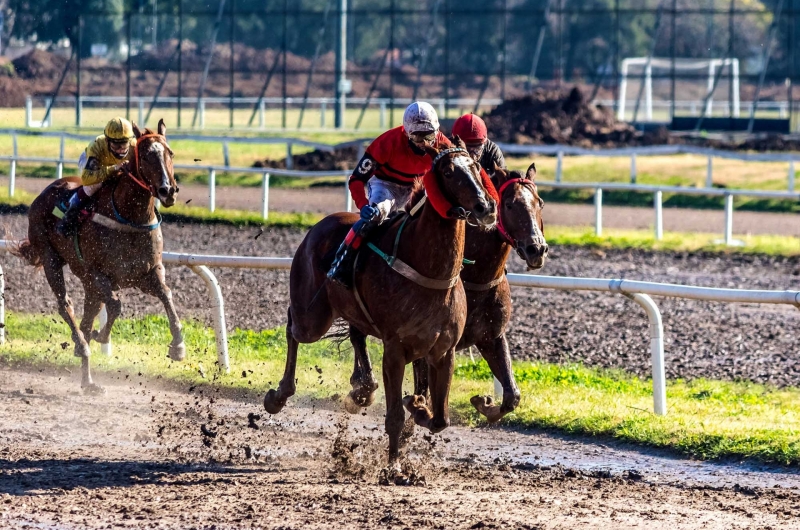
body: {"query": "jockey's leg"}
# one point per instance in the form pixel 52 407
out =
pixel 69 224
pixel 382 203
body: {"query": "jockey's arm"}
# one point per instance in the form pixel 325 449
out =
pixel 361 174
pixel 95 172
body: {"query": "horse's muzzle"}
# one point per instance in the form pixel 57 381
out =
pixel 166 194
pixel 485 212
pixel 534 254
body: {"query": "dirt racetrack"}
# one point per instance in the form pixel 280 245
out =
pixel 136 458
pixel 703 339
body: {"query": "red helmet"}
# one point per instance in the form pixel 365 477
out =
pixel 470 128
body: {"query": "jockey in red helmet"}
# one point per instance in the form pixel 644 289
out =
pixel 383 178
pixel 472 130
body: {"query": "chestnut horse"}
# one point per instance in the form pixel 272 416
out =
pixel 519 227
pixel 120 247
pixel 418 309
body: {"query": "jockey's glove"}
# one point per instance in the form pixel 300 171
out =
pixel 120 168
pixel 370 213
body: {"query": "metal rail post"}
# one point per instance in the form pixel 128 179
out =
pixel 289 158
pixel 633 168
pixel 226 154
pixel 559 165
pixel 265 196
pixel 141 112
pixel 212 192
pixel 106 348
pixel 12 173
pixel 220 328
pixel 348 199
pixel 728 219
pixel 60 165
pixel 657 205
pixel 598 212
pixel 656 352
pixel 323 109
pixel 710 172
pixel 791 177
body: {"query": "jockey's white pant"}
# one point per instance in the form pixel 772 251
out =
pixel 387 196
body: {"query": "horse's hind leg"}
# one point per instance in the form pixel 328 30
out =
pixel 437 417
pixel 155 284
pixel 275 400
pixel 92 302
pixel 101 284
pixel 54 272
pixel 498 357
pixel 362 380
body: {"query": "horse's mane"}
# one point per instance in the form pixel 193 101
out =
pixel 417 193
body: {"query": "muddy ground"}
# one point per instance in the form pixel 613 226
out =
pixel 703 339
pixel 137 457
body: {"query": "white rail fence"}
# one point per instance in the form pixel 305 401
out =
pixel 637 291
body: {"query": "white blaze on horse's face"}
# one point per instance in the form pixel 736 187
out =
pixel 525 195
pixel 164 188
pixel 468 166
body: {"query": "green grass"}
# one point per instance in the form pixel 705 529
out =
pixel 706 419
pixel 181 213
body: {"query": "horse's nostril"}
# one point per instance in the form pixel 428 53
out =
pixel 163 190
pixel 480 208
pixel 536 250
pixel 546 250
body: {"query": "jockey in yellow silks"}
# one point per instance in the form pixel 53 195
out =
pixel 105 157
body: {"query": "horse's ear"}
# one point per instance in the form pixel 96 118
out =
pixel 531 173
pixel 458 142
pixel 136 132
pixel 162 129
pixel 499 175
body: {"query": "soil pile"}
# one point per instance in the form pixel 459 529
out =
pixel 340 159
pixel 562 117
pixel 39 64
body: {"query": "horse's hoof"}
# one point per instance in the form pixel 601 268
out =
pixel 485 406
pixel 272 404
pixel 93 389
pixel 413 403
pixel 82 351
pixel 350 405
pixel 177 352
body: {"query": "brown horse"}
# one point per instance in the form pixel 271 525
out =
pixel 416 318
pixel 519 226
pixel 120 248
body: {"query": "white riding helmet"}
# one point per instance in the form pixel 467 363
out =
pixel 420 117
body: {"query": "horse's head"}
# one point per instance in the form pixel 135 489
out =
pixel 520 215
pixel 460 181
pixel 153 162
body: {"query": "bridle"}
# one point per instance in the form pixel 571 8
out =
pixel 134 174
pixel 457 212
pixel 500 228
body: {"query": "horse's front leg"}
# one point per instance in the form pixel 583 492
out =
pixel 394 365
pixel 275 400
pixel 155 284
pixel 92 303
pixel 437 417
pixel 362 380
pixel 101 284
pixel 498 357
pixel 54 272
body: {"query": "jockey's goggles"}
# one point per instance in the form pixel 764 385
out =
pixel 427 137
pixel 475 148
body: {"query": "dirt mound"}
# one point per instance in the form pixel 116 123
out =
pixel 39 64
pixel 763 143
pixel 340 159
pixel 13 91
pixel 563 117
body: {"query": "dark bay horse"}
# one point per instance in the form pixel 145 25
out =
pixel 519 227
pixel 413 320
pixel 119 247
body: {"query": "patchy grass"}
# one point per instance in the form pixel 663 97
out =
pixel 707 419
pixel 181 213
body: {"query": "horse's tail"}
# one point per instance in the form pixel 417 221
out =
pixel 25 250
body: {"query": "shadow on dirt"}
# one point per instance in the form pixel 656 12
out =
pixel 40 476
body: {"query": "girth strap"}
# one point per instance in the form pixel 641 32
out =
pixel 469 286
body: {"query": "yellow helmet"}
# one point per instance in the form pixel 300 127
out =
pixel 119 129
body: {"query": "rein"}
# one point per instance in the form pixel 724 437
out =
pixel 134 176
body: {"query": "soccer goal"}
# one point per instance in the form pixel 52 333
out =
pixel 633 66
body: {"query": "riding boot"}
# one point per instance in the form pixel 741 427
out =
pixel 341 270
pixel 68 225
